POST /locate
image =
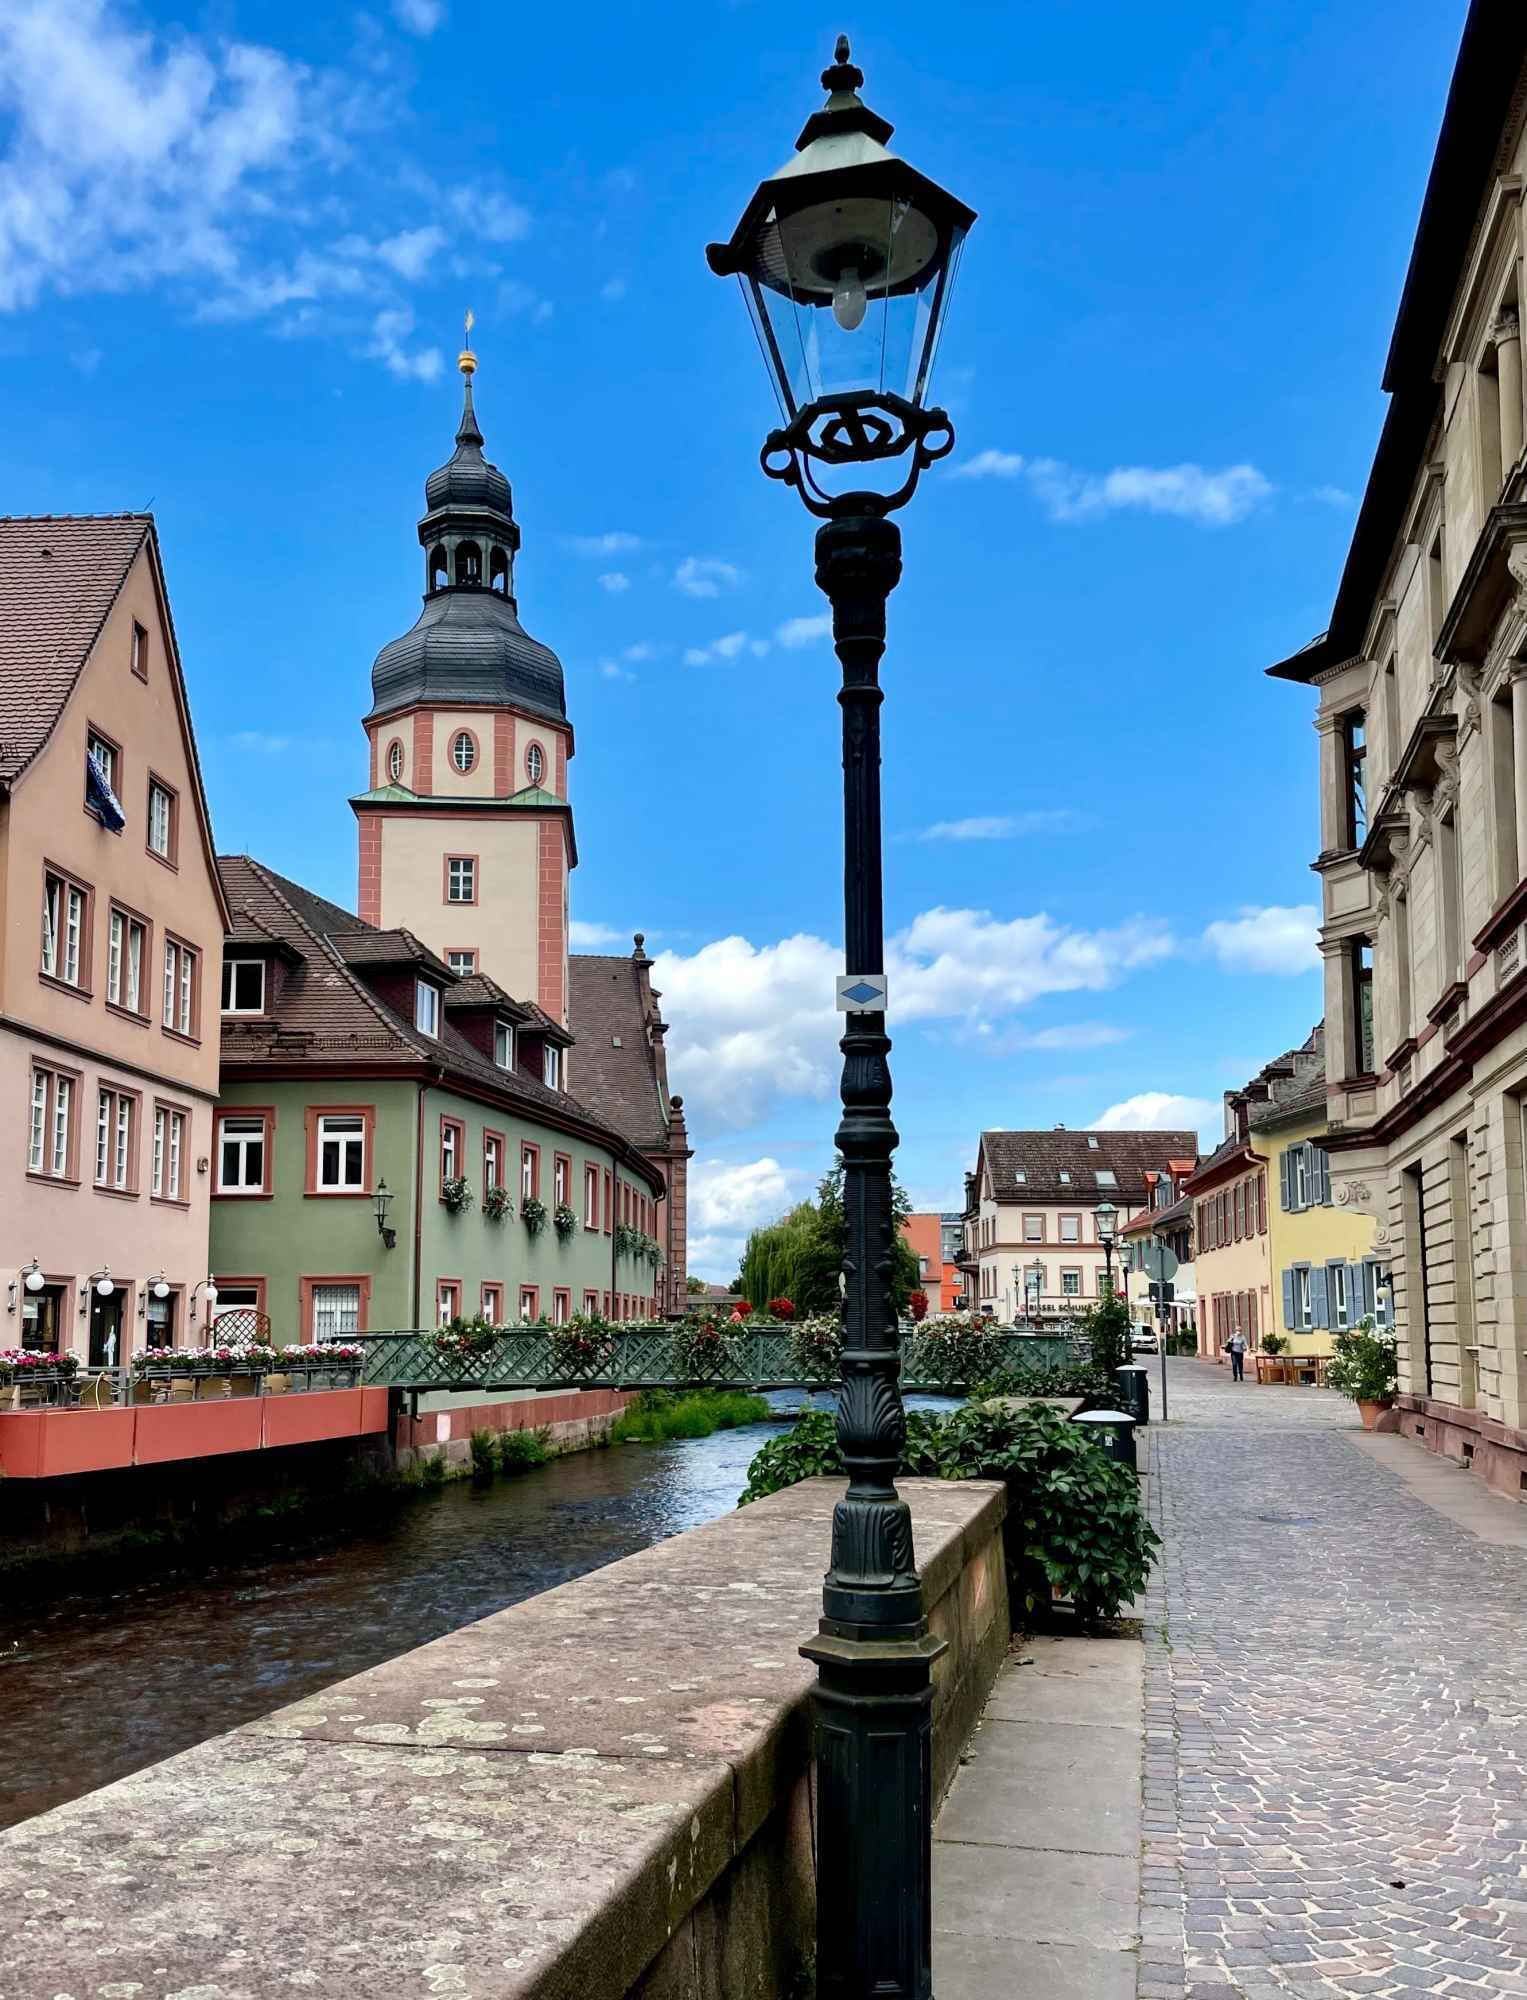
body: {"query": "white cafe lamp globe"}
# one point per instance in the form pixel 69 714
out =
pixel 211 1298
pixel 34 1280
pixel 104 1287
pixel 161 1289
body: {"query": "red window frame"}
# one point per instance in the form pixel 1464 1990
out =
pixel 457 1127
pixel 488 1182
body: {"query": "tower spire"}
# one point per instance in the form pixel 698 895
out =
pixel 467 432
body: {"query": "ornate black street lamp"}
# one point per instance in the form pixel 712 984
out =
pixel 846 258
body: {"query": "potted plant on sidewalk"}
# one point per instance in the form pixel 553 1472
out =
pixel 1365 1369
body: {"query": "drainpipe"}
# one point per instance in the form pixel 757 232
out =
pixel 614 1225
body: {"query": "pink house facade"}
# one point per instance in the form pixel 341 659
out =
pixel 111 933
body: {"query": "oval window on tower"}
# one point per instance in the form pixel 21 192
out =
pixel 535 764
pixel 395 760
pixel 464 751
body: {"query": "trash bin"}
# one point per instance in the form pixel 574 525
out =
pixel 1116 1428
pixel 1134 1385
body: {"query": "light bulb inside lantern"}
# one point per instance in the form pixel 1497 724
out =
pixel 849 299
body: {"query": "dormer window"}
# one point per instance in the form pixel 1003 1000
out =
pixel 243 986
pixel 503 1044
pixel 427 1008
pixel 551 1066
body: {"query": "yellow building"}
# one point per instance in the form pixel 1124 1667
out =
pixel 1281 1248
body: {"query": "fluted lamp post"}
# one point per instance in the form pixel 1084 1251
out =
pixel 846 257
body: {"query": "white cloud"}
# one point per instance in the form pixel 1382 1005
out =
pixel 1333 496
pixel 991 465
pixel 727 1200
pixel 804 631
pixel 258 740
pixel 588 937
pixel 389 330
pixel 1213 499
pixel 753 1024
pixel 1005 826
pixel 612 670
pixel 1080 1035
pixel 614 581
pixel 1267 940
pixel 705 576
pixel 616 543
pixel 640 651
pixel 419 17
pixel 515 296
pixel 725 648
pixel 411 251
pixel 1163 1111
pixel 492 216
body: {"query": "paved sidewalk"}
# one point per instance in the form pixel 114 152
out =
pixel 1036 1853
pixel 1336 1711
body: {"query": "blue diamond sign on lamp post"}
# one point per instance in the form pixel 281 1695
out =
pixel 861 993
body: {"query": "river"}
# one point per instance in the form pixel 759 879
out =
pixel 95 1686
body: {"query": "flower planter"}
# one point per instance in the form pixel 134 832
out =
pixel 1372 1412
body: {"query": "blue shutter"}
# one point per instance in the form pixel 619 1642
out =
pixel 1320 1296
pixel 1357 1293
pixel 1286 1177
pixel 1290 1316
pixel 1320 1184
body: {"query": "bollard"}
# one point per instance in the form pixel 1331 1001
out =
pixel 1117 1429
pixel 1134 1384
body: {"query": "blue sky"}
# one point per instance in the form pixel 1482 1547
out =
pixel 235 246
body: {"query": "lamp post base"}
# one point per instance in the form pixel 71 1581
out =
pixel 874 1823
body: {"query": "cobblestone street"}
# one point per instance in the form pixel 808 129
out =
pixel 1336 1711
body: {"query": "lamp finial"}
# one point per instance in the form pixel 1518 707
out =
pixel 841 74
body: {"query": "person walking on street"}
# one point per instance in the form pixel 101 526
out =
pixel 1235 1347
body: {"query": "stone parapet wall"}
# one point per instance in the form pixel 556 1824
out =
pixel 1496 1452
pixel 573 1422
pixel 602 1792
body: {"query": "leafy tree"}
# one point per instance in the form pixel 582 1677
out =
pixel 694 1286
pixel 1106 1326
pixel 800 1257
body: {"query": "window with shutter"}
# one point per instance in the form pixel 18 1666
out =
pixel 1290 1304
pixel 1321 1179
pixel 1286 1178
pixel 1320 1296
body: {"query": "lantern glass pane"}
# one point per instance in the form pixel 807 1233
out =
pixel 910 371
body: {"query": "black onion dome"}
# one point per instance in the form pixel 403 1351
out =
pixel 467 479
pixel 468 645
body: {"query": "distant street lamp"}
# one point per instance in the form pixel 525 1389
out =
pixel 846 257
pixel 1035 1283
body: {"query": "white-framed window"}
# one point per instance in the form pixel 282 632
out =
pixel 463 751
pixel 126 945
pixel 461 879
pixel 1033 1229
pixel 447 1300
pixel 169 1152
pixel 591 1302
pixel 336 1311
pixel 241 1156
pixel 1064 1177
pixel 161 821
pixel 1092 1142
pixel 180 967
pixel 1071 1229
pixel 561 1307
pixel 103 755
pixel 1020 1175
pixel 529 1303
pixel 551 1066
pixel 492 1160
pixel 113 1139
pixel 395 760
pixel 426 1007
pixel 535 764
pixel 243 986
pixel 1302 1309
pixel 1071 1284
pixel 1105 1177
pixel 559 1180
pixel 450 1157
pixel 503 1044
pixel 138 657
pixel 1301 1177
pixel 341 1152
pixel 591 1197
pixel 65 908
pixel 528 1173
pixel 51 1113
pixel 462 963
pixel 1337 1294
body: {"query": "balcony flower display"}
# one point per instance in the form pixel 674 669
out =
pixel 782 1308
pixel 816 1346
pixel 26 1364
pixel 320 1354
pixel 584 1346
pixel 564 1221
pixel 704 1351
pixel 955 1348
pixel 456 1193
pixel 497 1205
pixel 222 1358
pixel 464 1339
pixel 533 1214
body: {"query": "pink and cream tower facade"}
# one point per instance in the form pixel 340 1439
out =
pixel 466 834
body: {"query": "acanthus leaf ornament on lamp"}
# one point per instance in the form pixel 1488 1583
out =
pixel 846 258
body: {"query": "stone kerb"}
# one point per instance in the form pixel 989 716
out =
pixel 601 1792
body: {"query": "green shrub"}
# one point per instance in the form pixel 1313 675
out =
pixel 483 1465
pixel 1364 1366
pixel 519 1450
pixel 657 1416
pixel 1056 1378
pixel 1106 1328
pixel 1074 1527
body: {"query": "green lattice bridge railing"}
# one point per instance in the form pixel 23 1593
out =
pixel 648 1357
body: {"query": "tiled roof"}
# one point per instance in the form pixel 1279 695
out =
pixel 59 577
pixel 476 989
pixel 1159 1218
pixel 1295 1085
pixel 1042 1157
pixel 616 1065
pixel 394 947
pixel 327 1016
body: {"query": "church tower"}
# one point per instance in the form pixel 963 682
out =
pixel 466 834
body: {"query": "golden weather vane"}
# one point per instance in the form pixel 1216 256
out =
pixel 466 361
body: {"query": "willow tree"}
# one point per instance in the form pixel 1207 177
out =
pixel 800 1256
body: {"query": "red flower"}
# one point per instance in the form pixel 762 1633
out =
pixel 782 1308
pixel 919 1305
